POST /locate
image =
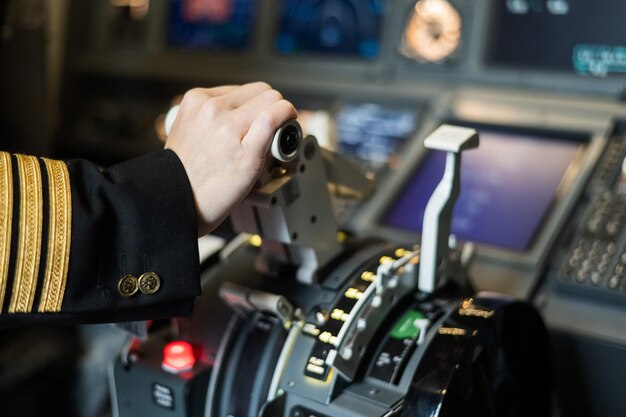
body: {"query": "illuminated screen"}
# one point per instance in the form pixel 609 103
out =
pixel 372 132
pixel 508 186
pixel 339 27
pixel 587 37
pixel 211 24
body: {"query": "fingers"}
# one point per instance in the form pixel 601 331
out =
pixel 249 110
pixel 221 90
pixel 217 102
pixel 214 91
pixel 233 95
pixel 198 96
pixel 259 137
pixel 238 96
pixel 252 112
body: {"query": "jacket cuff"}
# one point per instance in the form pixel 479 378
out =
pixel 137 219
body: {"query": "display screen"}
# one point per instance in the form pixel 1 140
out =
pixel 351 28
pixel 587 37
pixel 373 132
pixel 508 186
pixel 211 24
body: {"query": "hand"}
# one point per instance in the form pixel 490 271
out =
pixel 222 136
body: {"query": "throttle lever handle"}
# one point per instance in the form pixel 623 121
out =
pixel 438 213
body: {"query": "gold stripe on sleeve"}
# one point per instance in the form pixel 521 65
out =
pixel 59 237
pixel 29 236
pixel 6 216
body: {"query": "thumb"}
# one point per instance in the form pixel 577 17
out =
pixel 259 137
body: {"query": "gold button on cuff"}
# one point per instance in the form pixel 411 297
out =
pixel 128 286
pixel 149 283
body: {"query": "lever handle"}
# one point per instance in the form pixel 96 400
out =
pixel 438 213
pixel 170 117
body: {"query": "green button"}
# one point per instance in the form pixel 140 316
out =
pixel 406 327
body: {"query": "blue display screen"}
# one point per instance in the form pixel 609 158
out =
pixel 563 35
pixel 211 24
pixel 373 132
pixel 339 27
pixel 508 186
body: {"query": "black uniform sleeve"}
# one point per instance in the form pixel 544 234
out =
pixel 80 245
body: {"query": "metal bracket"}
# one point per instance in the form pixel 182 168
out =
pixel 245 300
pixel 438 213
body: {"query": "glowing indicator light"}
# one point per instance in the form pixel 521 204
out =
pixel 255 240
pixel 368 276
pixel 353 293
pixel 476 312
pixel 315 369
pixel 400 252
pixel 311 329
pixel 327 337
pixel 178 357
pixel 316 361
pixel 385 259
pixel 339 314
pixel 452 331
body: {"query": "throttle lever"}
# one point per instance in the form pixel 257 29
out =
pixel 285 144
pixel 438 213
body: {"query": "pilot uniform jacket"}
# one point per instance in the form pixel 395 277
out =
pixel 81 245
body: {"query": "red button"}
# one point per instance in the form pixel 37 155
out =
pixel 178 357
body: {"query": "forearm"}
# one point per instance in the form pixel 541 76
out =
pixel 71 234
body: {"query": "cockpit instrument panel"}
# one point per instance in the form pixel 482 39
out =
pixel 433 31
pixel 214 24
pixel 375 133
pixel 560 35
pixel 350 28
pixel 510 184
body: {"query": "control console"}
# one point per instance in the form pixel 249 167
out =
pixel 590 258
pixel 300 320
pixel 582 295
